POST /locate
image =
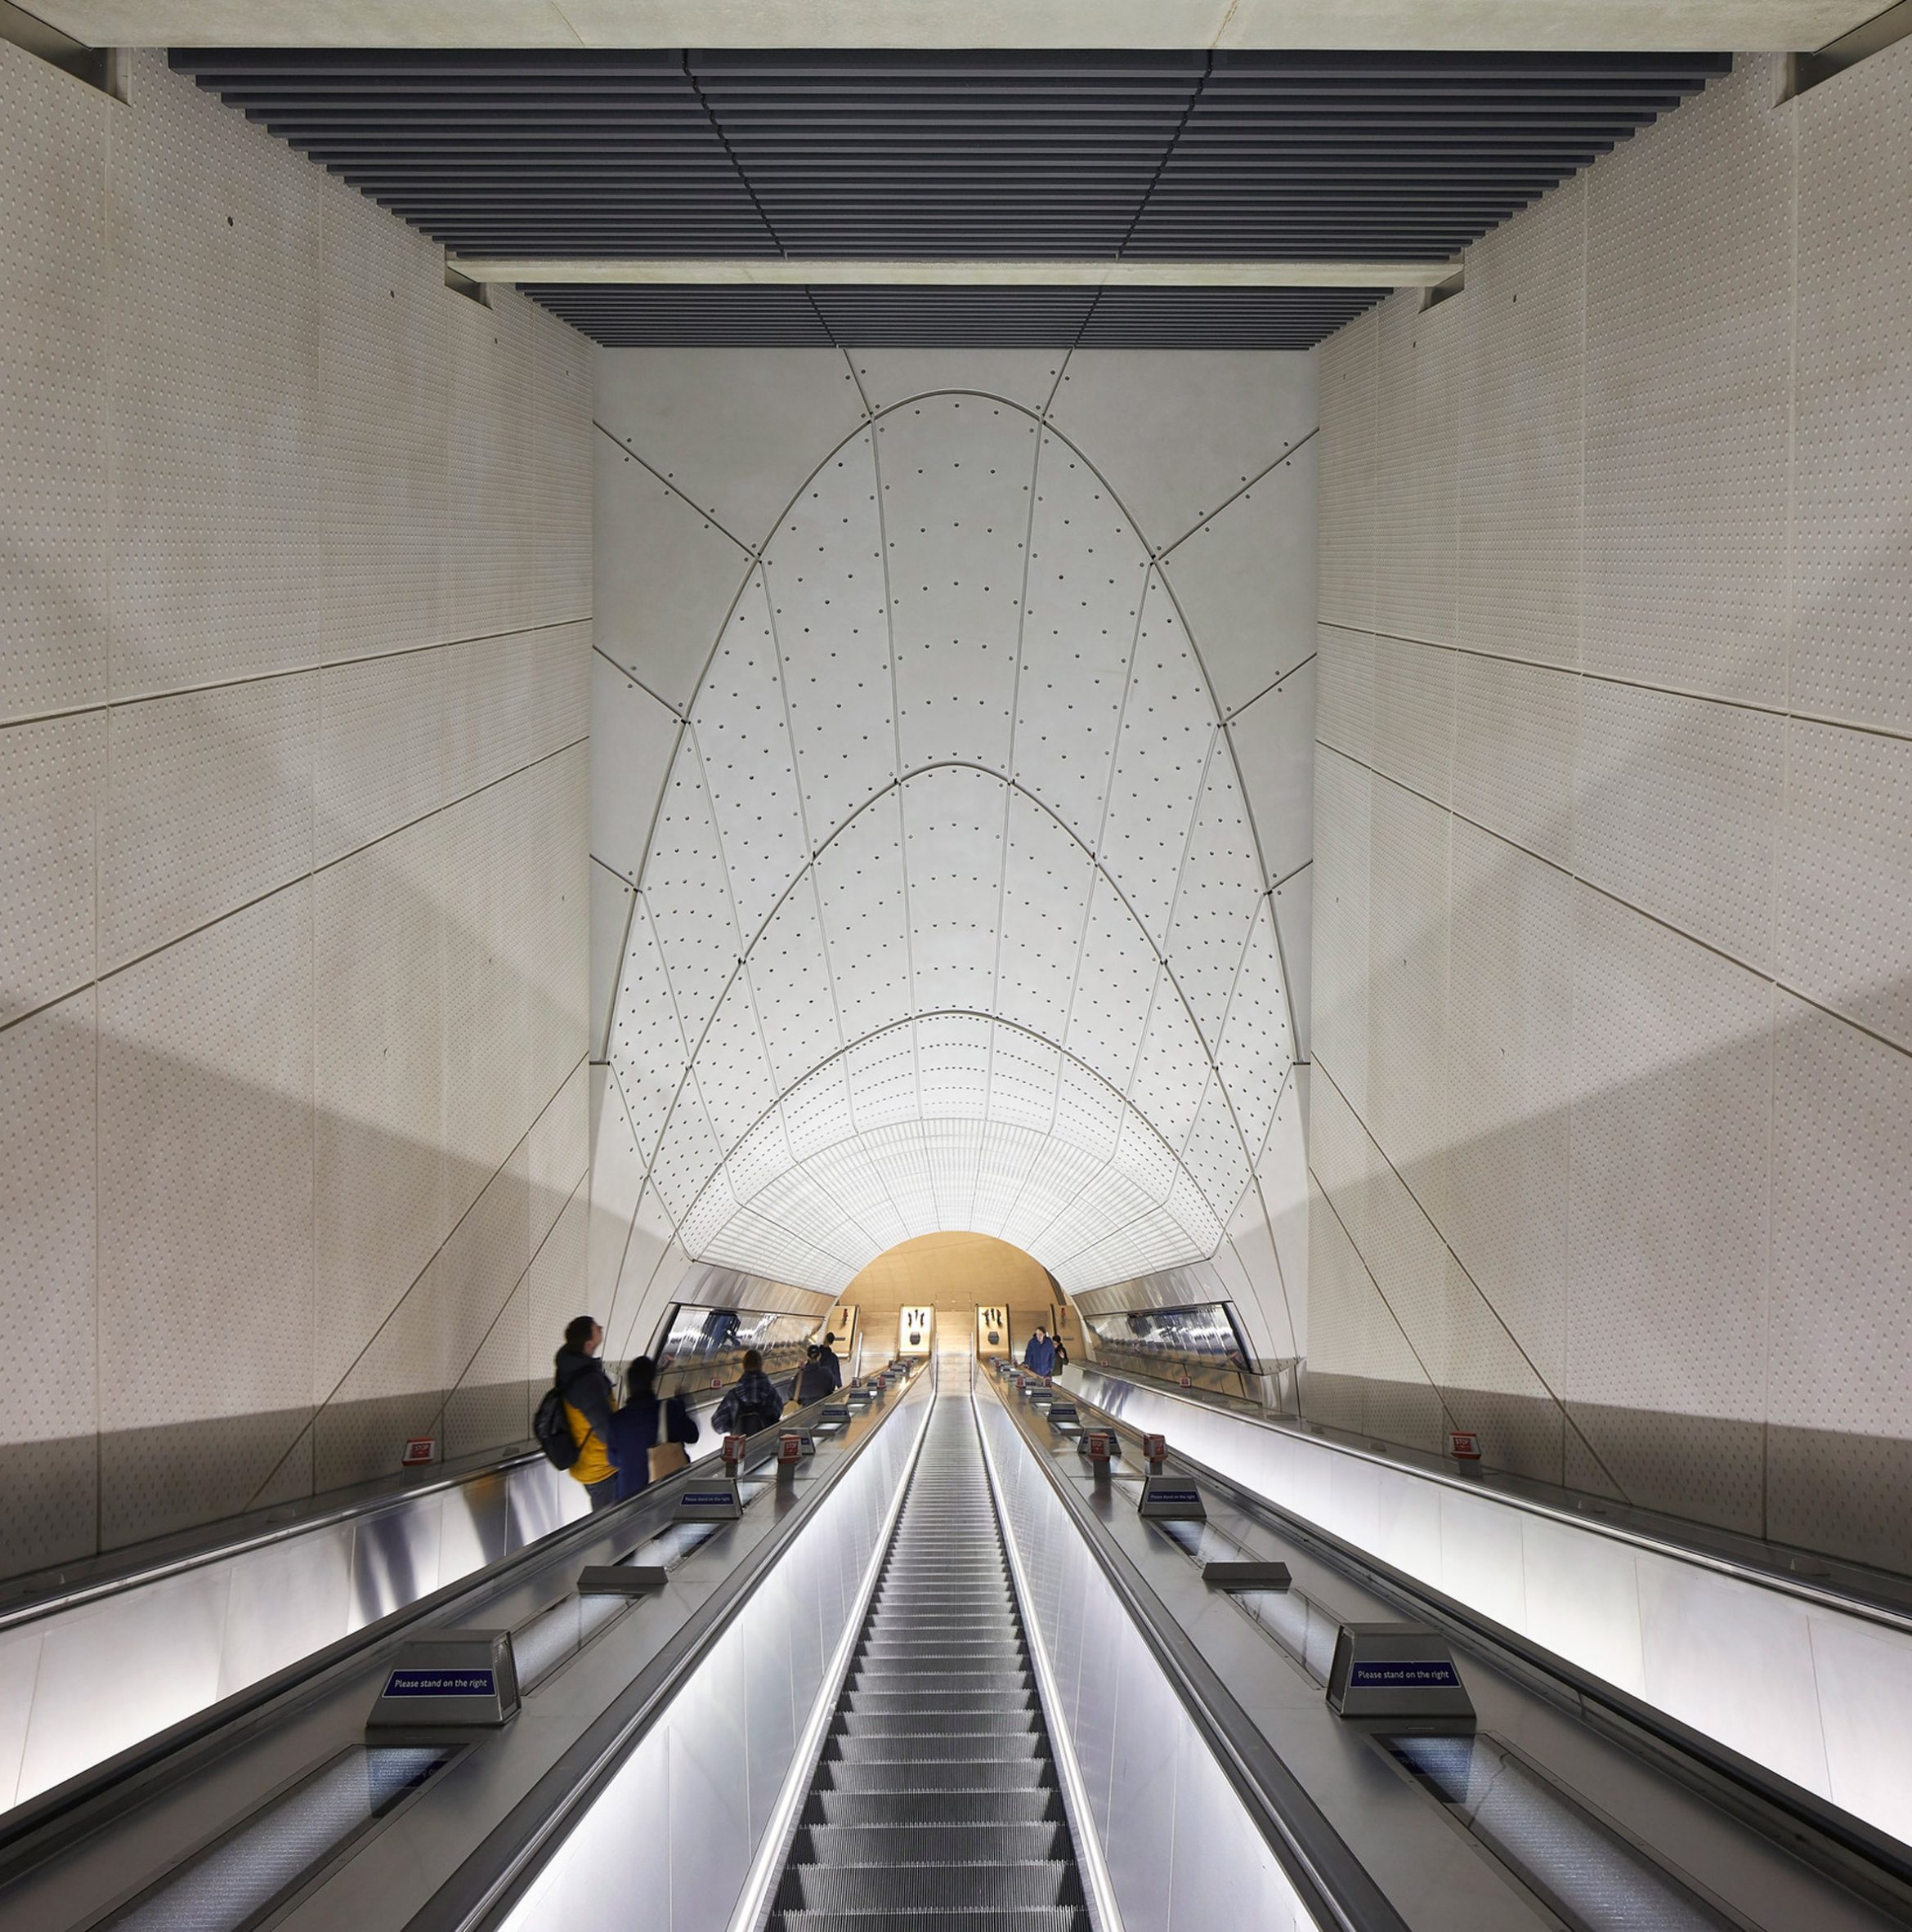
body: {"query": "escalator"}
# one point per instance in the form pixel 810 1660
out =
pixel 937 1791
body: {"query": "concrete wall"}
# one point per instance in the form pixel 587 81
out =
pixel 1613 832
pixel 294 601
pixel 984 681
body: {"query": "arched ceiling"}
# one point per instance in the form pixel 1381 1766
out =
pixel 953 914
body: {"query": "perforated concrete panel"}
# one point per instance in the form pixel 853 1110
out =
pixel 1618 996
pixel 956 760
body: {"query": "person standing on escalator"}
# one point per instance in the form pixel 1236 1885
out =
pixel 831 1361
pixel 648 1433
pixel 1039 1358
pixel 815 1383
pixel 586 1392
pixel 752 1403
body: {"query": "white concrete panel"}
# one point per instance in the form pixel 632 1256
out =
pixel 1676 810
pixel 1839 1441
pixel 1509 1085
pixel 208 804
pixel 953 829
pixel 634 739
pixel 1339 1013
pixel 882 1075
pixel 1025 376
pixel 380 759
pixel 1667 1294
pixel 611 901
pixel 511 700
pixel 562 364
pixel 488 1101
pixel 1087 568
pixel 1292 902
pixel 1088 1114
pixel 789 974
pixel 647 1043
pixel 1171 1070
pixel 1213 1154
pixel 733 1070
pixel 665 576
pixel 384 426
pixel 1418 449
pixel 1168 725
pixel 617 1179
pixel 47 1219
pixel 817 1114
pixel 1114 985
pixel 1344 710
pixel 1687 421
pixel 1216 900
pixel 1273 740
pixel 1408 995
pixel 379 1180
pixel 1245 580
pixel 1515 734
pixel 688 1154
pixel 864 902
pixel 1852 579
pixel 558 1151
pixel 1414 716
pixel 825 570
pixel 958 478
pixel 738 431
pixel 1022 1075
pixel 1844 935
pixel 1522 432
pixel 484 1260
pixel 215 369
pixel 696 924
pixel 486 584
pixel 1177 436
pixel 750 765
pixel 1047 878
pixel 206 1254
pixel 51 774
pixel 53 389
pixel 1349 373
pixel 1253 1052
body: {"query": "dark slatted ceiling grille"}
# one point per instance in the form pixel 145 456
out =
pixel 1147 156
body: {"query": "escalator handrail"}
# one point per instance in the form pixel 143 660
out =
pixel 1334 1886
pixel 492 1878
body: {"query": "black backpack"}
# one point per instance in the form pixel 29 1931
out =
pixel 552 1427
pixel 751 1417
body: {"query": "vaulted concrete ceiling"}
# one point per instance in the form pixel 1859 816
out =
pixel 956 912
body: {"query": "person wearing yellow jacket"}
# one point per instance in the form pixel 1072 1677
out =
pixel 586 1392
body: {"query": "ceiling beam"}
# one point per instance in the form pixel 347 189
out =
pixel 758 271
pixel 1553 26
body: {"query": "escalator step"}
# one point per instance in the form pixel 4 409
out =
pixel 933 1724
pixel 927 1887
pixel 845 1846
pixel 1042 1806
pixel 1010 1776
pixel 895 1747
pixel 1054 1919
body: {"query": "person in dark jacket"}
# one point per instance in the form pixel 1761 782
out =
pixel 814 1380
pixel 588 1397
pixel 832 1362
pixel 1039 1358
pixel 645 1420
pixel 750 1403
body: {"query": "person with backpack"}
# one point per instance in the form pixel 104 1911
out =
pixel 648 1433
pixel 815 1381
pixel 573 1423
pixel 750 1403
pixel 832 1363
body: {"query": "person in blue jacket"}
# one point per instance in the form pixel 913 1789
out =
pixel 1039 1358
pixel 641 1424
